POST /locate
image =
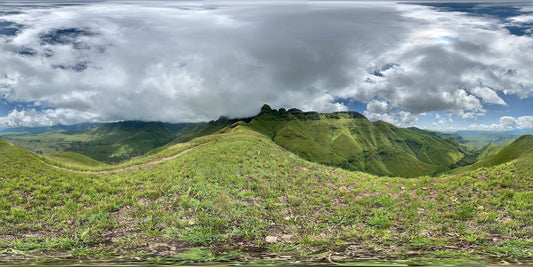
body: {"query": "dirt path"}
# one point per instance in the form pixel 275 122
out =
pixel 132 167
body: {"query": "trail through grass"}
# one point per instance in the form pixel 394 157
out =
pixel 125 166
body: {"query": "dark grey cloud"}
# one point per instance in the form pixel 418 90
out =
pixel 194 61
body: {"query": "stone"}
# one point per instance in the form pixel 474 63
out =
pixel 287 237
pixel 271 239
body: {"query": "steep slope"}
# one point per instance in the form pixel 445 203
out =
pixel 487 151
pixel 112 142
pixel 76 160
pixel 15 162
pixel 345 139
pixel 451 136
pixel 349 140
pixel 495 137
pixel 519 148
pixel 240 197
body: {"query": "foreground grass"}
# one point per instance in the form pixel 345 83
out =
pixel 242 198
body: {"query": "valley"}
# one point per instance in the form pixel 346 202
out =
pixel 343 139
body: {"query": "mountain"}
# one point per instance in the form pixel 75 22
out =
pixel 519 148
pixel 17 131
pixel 345 139
pixel 481 138
pixel 109 142
pixel 16 162
pixel 351 141
pixel 487 151
pixel 452 136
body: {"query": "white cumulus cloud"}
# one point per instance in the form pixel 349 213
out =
pixel 507 123
pixel 194 61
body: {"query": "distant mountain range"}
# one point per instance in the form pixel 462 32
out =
pixel 345 139
pixel 495 137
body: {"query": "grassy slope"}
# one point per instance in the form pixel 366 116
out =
pixel 516 149
pixel 347 140
pixel 480 138
pixel 72 160
pixel 487 151
pixel 110 142
pixel 220 202
pixel 351 141
pixel 115 142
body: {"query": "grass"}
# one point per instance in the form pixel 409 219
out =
pixel 77 162
pixel 112 142
pixel 516 149
pixel 74 160
pixel 343 139
pixel 220 202
pixel 350 141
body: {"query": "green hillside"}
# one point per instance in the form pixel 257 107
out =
pixel 480 138
pixel 487 151
pixel 349 140
pixel 240 197
pixel 519 148
pixel 74 159
pixel 344 139
pixel 110 142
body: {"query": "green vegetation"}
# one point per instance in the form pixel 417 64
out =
pixel 519 148
pixel 112 142
pixel 478 139
pixel 237 196
pixel 487 151
pixel 343 139
pixel 73 160
pixel 349 140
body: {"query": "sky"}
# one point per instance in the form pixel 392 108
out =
pixel 441 66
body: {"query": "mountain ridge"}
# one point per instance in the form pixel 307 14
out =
pixel 346 139
pixel 350 140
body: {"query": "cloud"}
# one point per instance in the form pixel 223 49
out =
pixel 522 19
pixel 186 61
pixel 525 122
pixel 377 106
pixel 488 95
pixel 47 117
pixel 507 123
pixel 194 61
pixel 400 118
pixel 450 62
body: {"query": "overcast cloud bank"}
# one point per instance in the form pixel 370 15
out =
pixel 192 61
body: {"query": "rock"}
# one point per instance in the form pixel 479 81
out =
pixel 265 109
pixel 287 237
pixel 159 247
pixel 271 239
